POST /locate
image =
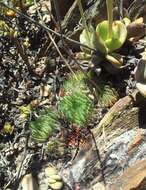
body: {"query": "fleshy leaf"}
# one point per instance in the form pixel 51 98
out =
pixel 85 38
pixel 91 39
pixel 100 44
pixel 119 34
pixel 29 2
pixel 25 110
pixel 115 59
pixel 8 128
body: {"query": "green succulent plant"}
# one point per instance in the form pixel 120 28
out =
pixel 29 2
pixel 76 104
pixel 112 33
pixel 45 125
pixel 108 36
pixel 90 38
pixel 117 38
pixel 76 108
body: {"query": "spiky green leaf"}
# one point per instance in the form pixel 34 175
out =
pixel 76 104
pixel 107 95
pixel 45 125
pixel 76 108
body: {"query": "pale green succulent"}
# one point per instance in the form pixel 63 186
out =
pixel 116 40
pixel 108 36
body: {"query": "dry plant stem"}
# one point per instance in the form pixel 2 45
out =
pixel 46 28
pixel 84 22
pixel 52 17
pixel 82 14
pixel 83 18
pixel 130 6
pixel 46 46
pixel 5 162
pixel 58 18
pixel 135 9
pixel 109 4
pixel 65 61
pixel 61 31
pixel 43 51
pixel 54 43
pixel 72 57
pixel 69 14
pixel 120 8
pixel 98 156
pixel 62 40
pixel 24 157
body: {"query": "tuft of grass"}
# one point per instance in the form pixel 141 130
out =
pixel 45 125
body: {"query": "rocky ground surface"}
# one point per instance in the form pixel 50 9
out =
pixel 34 63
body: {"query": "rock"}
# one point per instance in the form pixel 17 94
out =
pixel 28 183
pixel 142 88
pixel 134 178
